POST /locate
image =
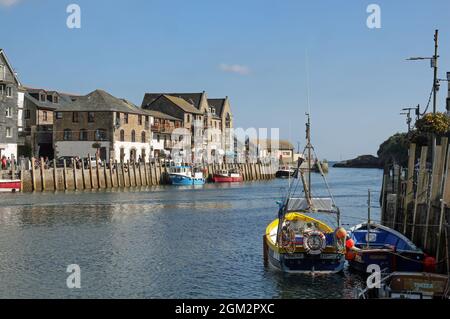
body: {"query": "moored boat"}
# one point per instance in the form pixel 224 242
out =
pixel 185 175
pixel 285 172
pixel 298 241
pixel 227 176
pixel 372 243
pixel 11 186
pixel 408 285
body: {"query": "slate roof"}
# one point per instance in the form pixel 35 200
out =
pixel 2 53
pixel 218 104
pixel 160 115
pixel 192 98
pixel 64 98
pixel 100 101
pixel 183 104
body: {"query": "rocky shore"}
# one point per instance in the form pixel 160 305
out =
pixel 363 161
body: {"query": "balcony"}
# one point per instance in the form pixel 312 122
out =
pixel 157 128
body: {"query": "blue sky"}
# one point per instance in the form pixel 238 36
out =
pixel 252 51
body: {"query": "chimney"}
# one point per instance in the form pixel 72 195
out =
pixel 448 95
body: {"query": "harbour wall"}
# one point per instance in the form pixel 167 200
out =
pixel 415 200
pixel 120 175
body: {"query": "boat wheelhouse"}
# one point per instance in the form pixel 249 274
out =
pixel 227 176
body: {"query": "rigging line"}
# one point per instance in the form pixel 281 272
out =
pixel 429 101
pixel 324 179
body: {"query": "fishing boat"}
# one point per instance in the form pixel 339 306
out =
pixel 10 185
pixel 371 243
pixel 298 241
pixel 227 176
pixel 285 172
pixel 408 285
pixel 185 175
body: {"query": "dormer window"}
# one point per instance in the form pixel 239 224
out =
pixel 9 91
pixel 56 99
pixel 2 72
pixel 42 97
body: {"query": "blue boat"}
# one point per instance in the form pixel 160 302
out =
pixel 183 175
pixel 385 247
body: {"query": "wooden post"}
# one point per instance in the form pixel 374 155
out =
pixel 90 171
pixel 65 174
pixel 129 174
pixel 42 175
pixel 74 170
pixel 55 176
pixel 33 174
pixel 421 192
pixel 444 203
pixel 123 173
pixel 111 179
pixel 105 176
pixel 97 171
pixel 116 166
pixel 145 173
pixel 409 185
pixel 83 177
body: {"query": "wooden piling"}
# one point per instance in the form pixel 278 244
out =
pixel 33 174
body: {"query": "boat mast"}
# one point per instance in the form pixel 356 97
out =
pixel 368 220
pixel 308 146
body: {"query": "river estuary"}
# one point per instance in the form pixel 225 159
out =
pixel 164 242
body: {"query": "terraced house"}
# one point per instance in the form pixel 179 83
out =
pixel 102 124
pixel 214 115
pixel 11 107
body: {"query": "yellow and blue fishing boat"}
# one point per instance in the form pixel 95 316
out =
pixel 298 241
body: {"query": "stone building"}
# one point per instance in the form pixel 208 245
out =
pixel 11 108
pixel 162 126
pixel 102 124
pixel 38 120
pixel 213 115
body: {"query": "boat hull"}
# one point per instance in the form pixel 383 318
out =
pixel 328 263
pixel 226 179
pixel 284 174
pixel 180 180
pixel 9 186
pixel 388 261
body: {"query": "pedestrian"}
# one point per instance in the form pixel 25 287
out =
pixel 4 163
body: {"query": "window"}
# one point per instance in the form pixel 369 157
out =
pixel 2 72
pixel 188 118
pixel 8 111
pixel 42 97
pixel 91 116
pixel 140 119
pixel 83 135
pixel 58 115
pixel 56 99
pixel 125 117
pixel 2 89
pixel 67 135
pixel 8 132
pixel 75 117
pixel 122 135
pixel 9 91
pixel 133 136
pixel 27 114
pixel 100 135
pixel 157 138
pixel 143 137
pixel 44 116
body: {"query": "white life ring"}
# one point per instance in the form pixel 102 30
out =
pixel 314 242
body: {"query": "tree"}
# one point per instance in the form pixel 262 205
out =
pixel 394 150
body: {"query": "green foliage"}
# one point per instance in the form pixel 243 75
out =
pixel 394 150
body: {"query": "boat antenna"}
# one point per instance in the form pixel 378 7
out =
pixel 309 148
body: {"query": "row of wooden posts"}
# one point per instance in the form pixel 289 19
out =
pixel 119 175
pixel 416 200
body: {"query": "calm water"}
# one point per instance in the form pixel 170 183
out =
pixel 203 242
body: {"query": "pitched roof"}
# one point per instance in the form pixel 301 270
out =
pixel 161 115
pixel 64 98
pixel 218 104
pixel 10 67
pixel 101 101
pixel 192 98
pixel 183 104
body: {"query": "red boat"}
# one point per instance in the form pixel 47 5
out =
pixel 9 185
pixel 225 176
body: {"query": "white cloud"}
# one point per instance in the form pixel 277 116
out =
pixel 8 3
pixel 235 68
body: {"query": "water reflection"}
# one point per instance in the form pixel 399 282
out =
pixel 160 243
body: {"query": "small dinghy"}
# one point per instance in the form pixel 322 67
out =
pixel 377 244
pixel 285 172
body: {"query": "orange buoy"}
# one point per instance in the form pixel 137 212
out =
pixel 350 255
pixel 349 244
pixel 429 264
pixel 341 233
